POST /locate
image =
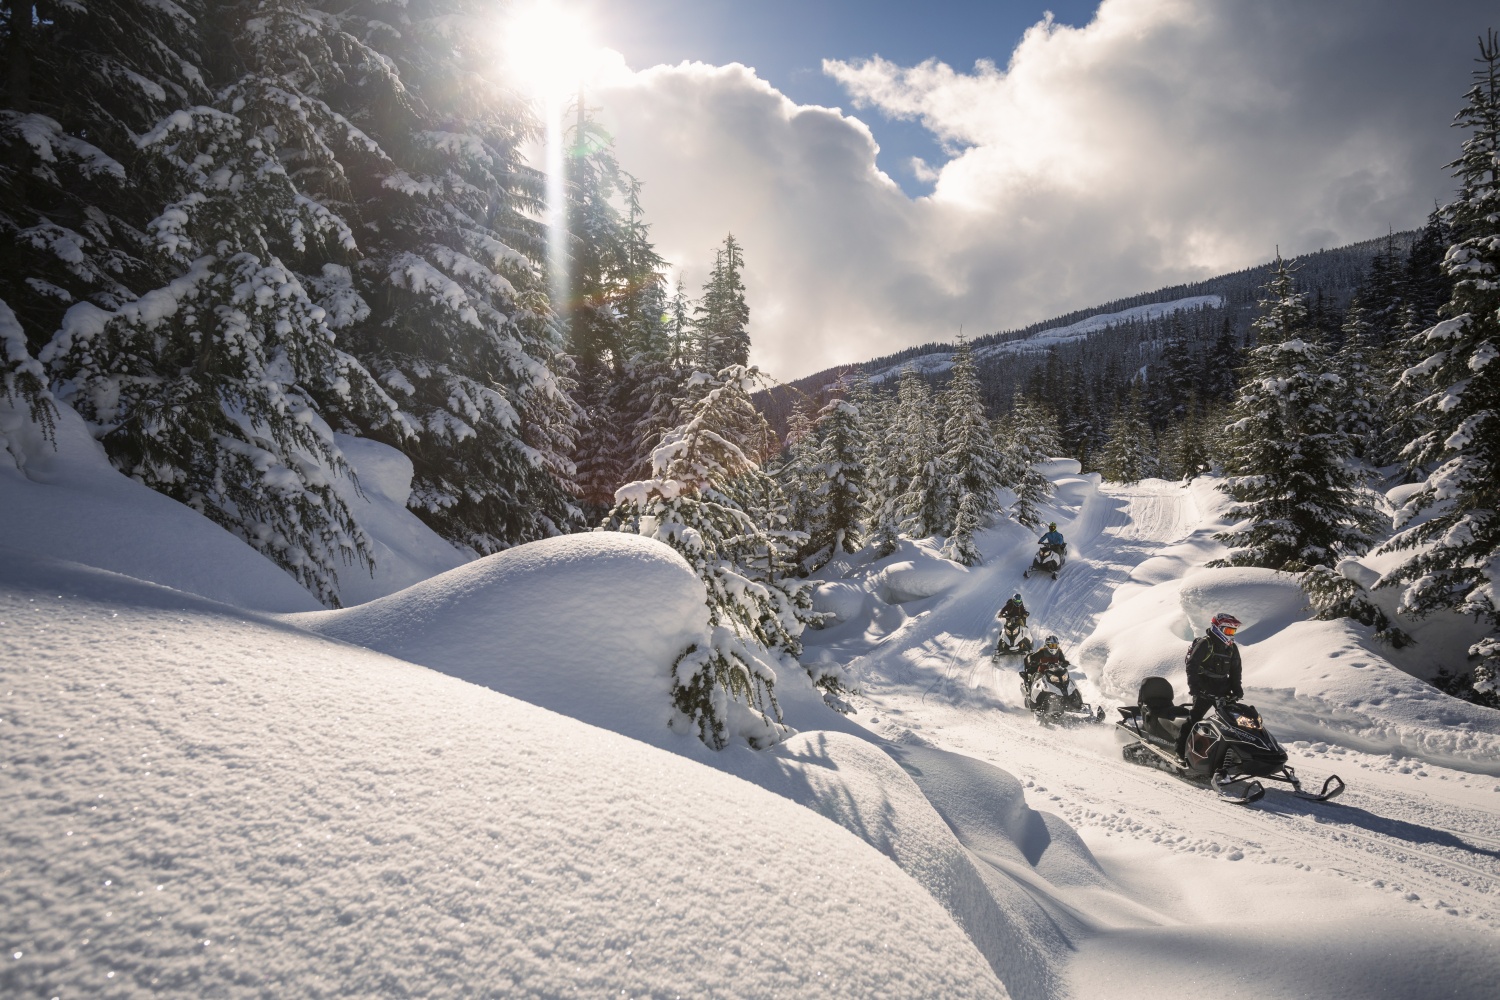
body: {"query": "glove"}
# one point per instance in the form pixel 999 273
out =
pixel 1236 694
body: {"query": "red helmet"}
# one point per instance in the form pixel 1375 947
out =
pixel 1224 626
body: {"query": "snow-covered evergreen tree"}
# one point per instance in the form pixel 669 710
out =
pixel 1300 503
pixel 919 505
pixel 882 478
pixel 23 380
pixel 696 501
pixel 836 484
pixel 461 330
pixel 721 321
pixel 1188 446
pixel 1451 526
pixel 1027 436
pixel 82 81
pixel 1363 387
pixel 1130 454
pixel 208 388
pixel 970 462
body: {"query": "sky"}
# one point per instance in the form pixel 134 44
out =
pixel 1110 149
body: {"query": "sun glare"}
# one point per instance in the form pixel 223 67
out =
pixel 547 49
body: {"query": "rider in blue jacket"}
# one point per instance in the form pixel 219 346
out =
pixel 1053 538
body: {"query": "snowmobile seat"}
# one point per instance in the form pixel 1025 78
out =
pixel 1157 697
pixel 1159 708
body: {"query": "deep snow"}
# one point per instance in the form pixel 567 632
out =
pixel 468 785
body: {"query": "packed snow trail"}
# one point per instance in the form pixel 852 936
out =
pixel 1404 865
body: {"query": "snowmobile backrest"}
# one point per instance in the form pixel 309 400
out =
pixel 1156 694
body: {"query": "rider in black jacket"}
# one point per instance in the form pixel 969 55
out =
pixel 1014 608
pixel 1213 671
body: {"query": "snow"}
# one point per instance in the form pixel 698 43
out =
pixel 1389 893
pixel 467 783
pixel 406 551
pixel 62 499
pixel 633 603
pixel 202 802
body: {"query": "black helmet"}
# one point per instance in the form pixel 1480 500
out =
pixel 1015 597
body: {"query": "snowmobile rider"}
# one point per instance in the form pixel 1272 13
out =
pixel 1213 671
pixel 1053 539
pixel 1048 657
pixel 1014 608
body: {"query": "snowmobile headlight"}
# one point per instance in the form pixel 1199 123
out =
pixel 1247 721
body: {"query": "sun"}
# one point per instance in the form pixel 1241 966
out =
pixel 547 48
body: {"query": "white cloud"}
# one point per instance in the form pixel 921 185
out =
pixel 1166 140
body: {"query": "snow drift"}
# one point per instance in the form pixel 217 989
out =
pixel 587 625
pixel 200 802
pixel 63 499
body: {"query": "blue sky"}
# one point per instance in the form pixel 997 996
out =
pixel 786 42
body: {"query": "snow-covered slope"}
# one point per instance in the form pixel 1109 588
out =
pixel 62 499
pixel 1042 340
pixel 201 802
pixel 1391 892
pixel 324 819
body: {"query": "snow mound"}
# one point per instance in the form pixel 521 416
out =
pixel 406 550
pixel 1057 468
pixel 914 572
pixel 1264 600
pixel 841 601
pixel 203 803
pixel 587 625
pixel 62 499
pixel 1321 681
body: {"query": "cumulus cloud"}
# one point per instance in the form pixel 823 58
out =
pixel 1164 141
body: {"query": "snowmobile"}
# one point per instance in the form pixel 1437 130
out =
pixel 1050 693
pixel 1014 638
pixel 1049 559
pixel 1230 748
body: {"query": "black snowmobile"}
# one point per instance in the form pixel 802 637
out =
pixel 1049 559
pixel 1014 638
pixel 1229 748
pixel 1052 695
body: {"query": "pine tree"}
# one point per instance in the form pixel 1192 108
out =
pixel 460 328
pixel 793 468
pixel 1301 503
pixel 23 380
pixel 970 463
pixel 1362 388
pixel 82 81
pixel 1221 380
pixel 837 485
pixel 1027 437
pixel 882 476
pixel 1130 453
pixel 695 502
pixel 1452 524
pixel 917 504
pixel 721 321
pixel 1187 446
pixel 212 388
